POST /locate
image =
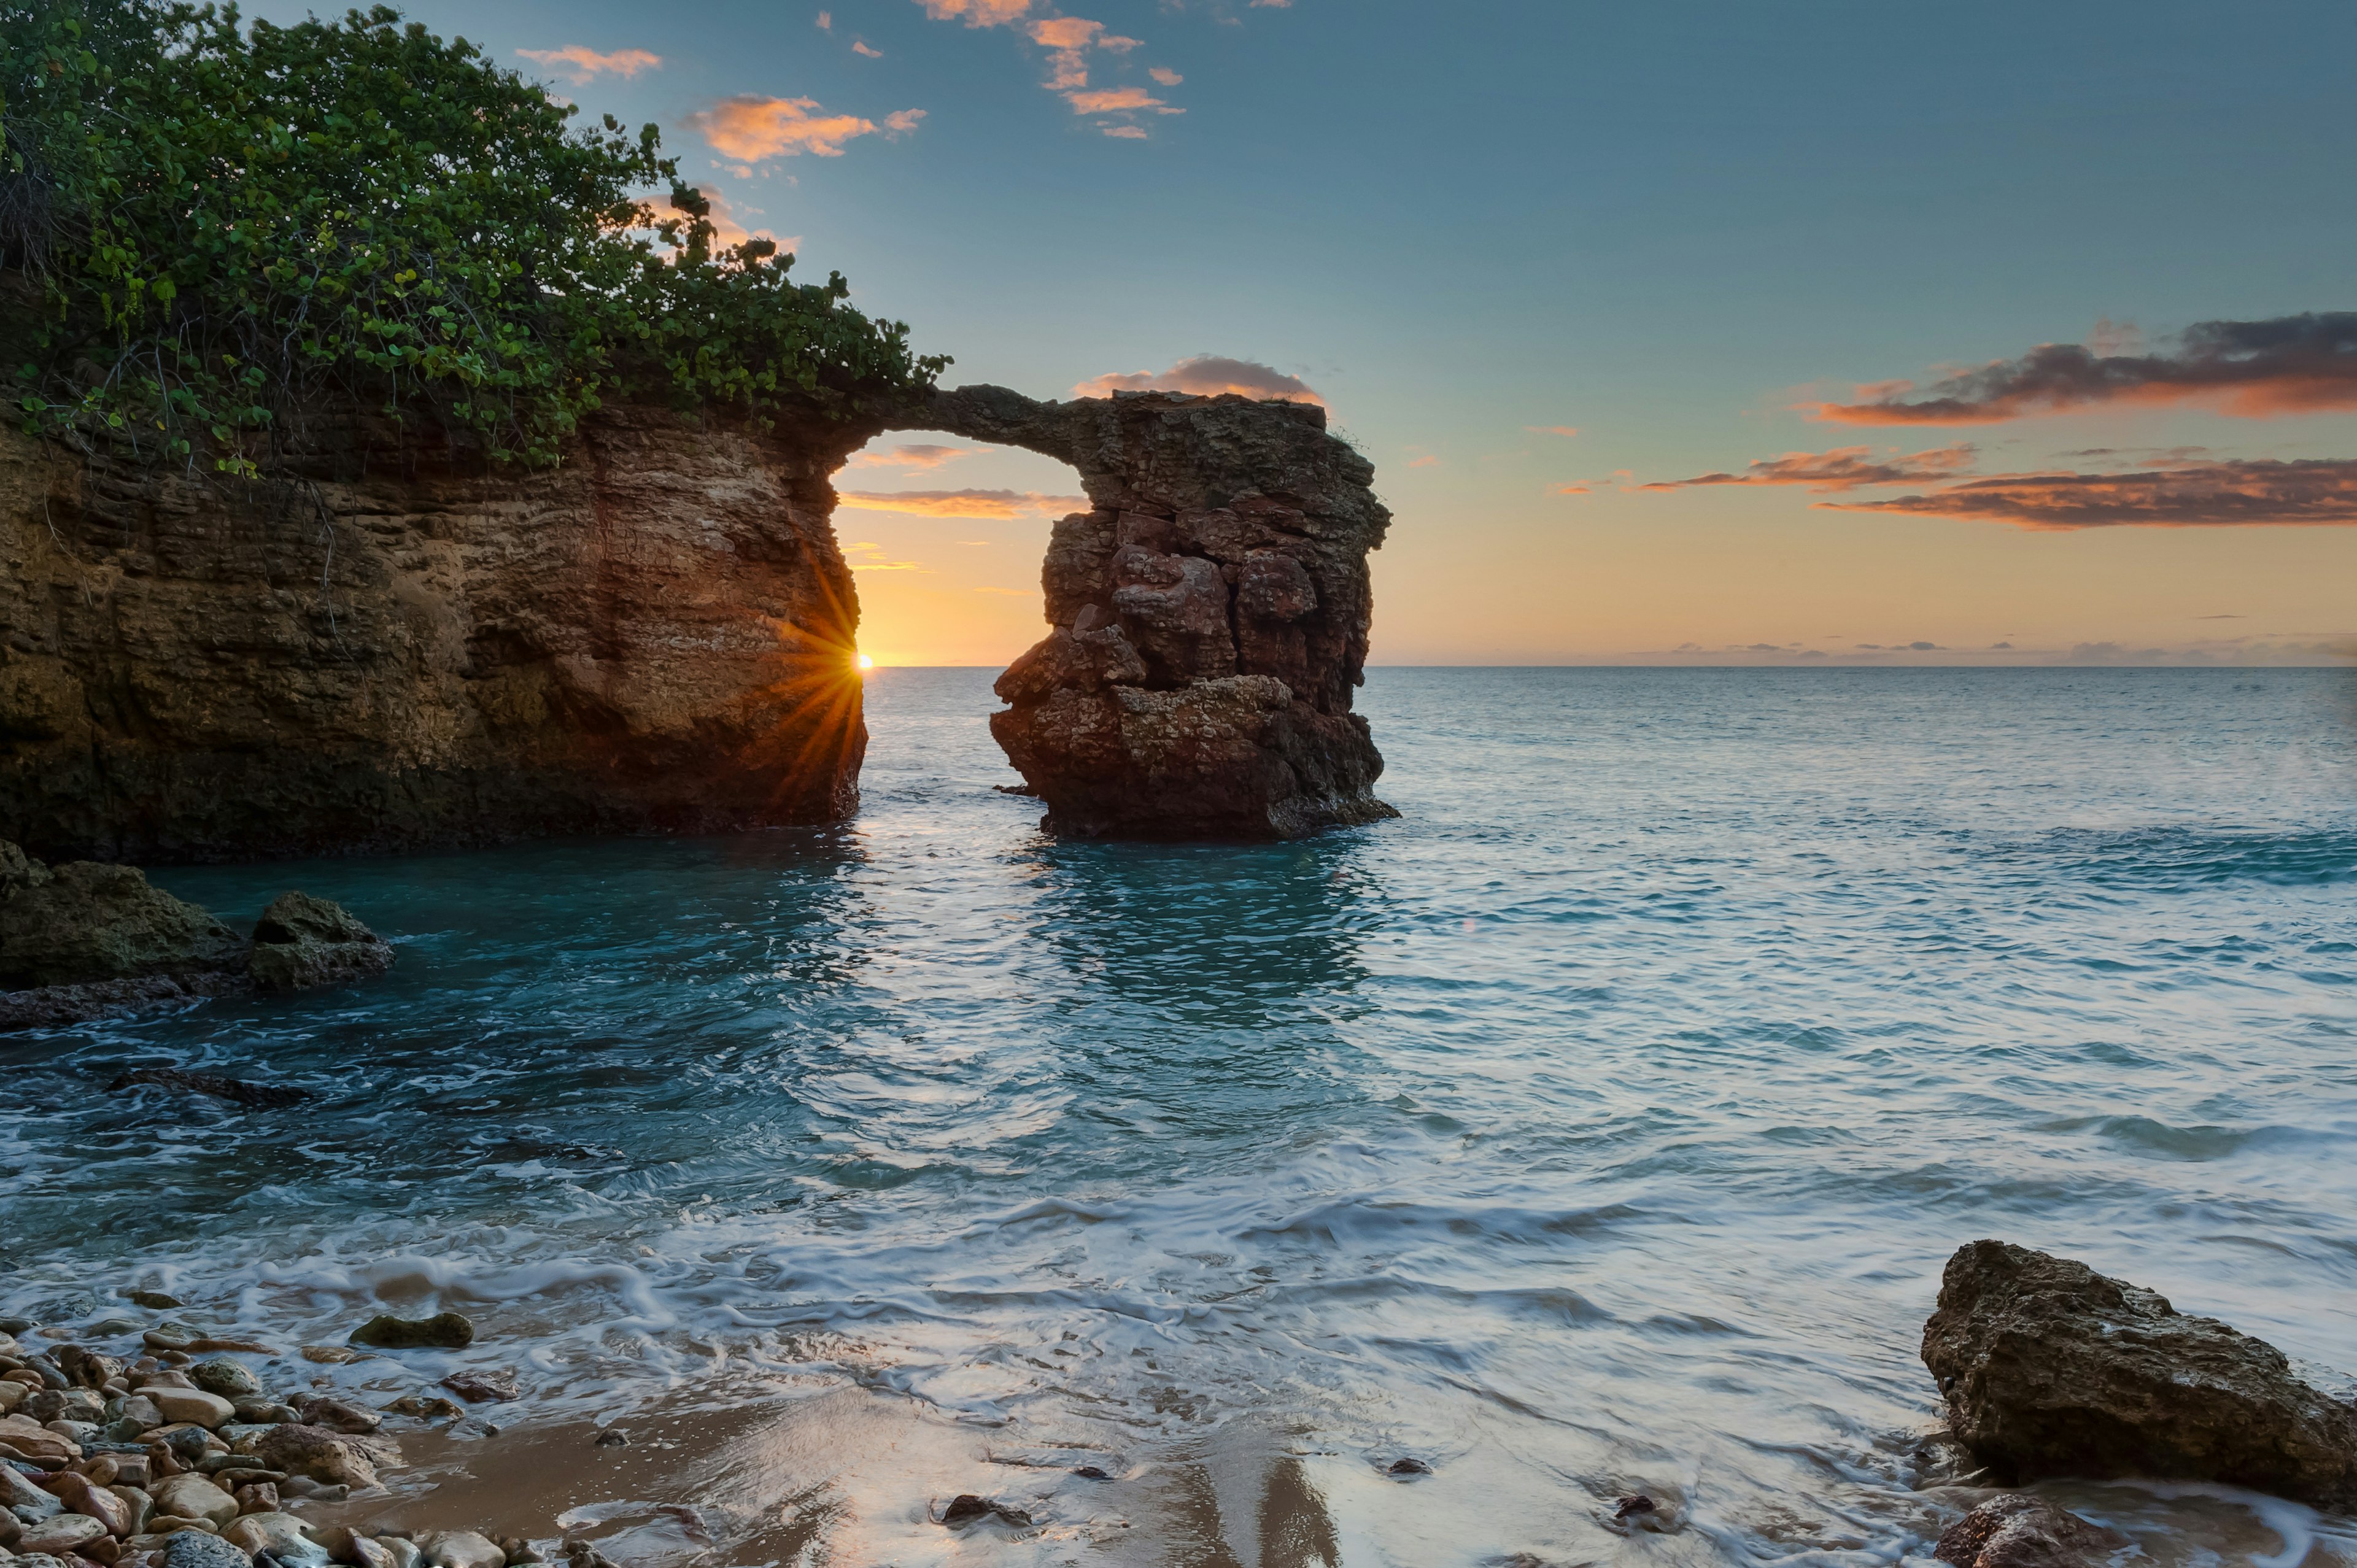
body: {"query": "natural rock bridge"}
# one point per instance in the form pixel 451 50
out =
pixel 392 653
pixel 1208 617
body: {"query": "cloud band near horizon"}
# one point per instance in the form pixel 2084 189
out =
pixel 1843 468
pixel 2311 492
pixel 2286 365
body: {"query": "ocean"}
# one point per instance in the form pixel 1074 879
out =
pixel 1600 1126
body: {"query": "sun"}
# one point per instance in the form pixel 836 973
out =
pixel 863 662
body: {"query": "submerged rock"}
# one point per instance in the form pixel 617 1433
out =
pixel 484 1386
pixel 2021 1531
pixel 443 1331
pixel 301 941
pixel 1208 617
pixel 2050 1368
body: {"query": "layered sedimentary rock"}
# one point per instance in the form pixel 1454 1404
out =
pixel 1208 617
pixel 393 645
pixel 2050 1368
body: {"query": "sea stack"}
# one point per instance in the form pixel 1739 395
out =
pixel 1208 617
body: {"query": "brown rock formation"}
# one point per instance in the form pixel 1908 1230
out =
pixel 84 940
pixel 394 646
pixel 1208 617
pixel 388 654
pixel 2016 1531
pixel 2050 1368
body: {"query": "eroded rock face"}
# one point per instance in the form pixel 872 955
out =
pixel 2050 1368
pixel 1209 615
pixel 394 652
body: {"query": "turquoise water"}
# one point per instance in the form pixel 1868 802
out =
pixel 1600 1125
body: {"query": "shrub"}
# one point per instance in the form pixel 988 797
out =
pixel 214 226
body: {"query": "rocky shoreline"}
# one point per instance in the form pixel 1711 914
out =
pixel 125 1444
pixel 178 1454
pixel 84 939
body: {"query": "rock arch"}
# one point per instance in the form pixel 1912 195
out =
pixel 1208 617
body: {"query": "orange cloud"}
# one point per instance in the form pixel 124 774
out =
pixel 1072 38
pixel 1563 430
pixel 2308 491
pixel 1165 75
pixel 859 47
pixel 749 128
pixel 910 457
pixel 728 229
pixel 975 13
pixel 580 64
pixel 1001 504
pixel 1117 100
pixel 1424 462
pixel 1126 133
pixel 866 555
pixel 1207 375
pixel 1843 469
pixel 2288 364
pixel 1569 490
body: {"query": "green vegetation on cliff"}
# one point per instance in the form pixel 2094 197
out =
pixel 210 226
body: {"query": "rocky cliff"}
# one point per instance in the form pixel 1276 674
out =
pixel 1208 617
pixel 388 645
pixel 387 651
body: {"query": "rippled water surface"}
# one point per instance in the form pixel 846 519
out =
pixel 1600 1126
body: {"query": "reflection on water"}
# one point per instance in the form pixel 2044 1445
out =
pixel 1599 1127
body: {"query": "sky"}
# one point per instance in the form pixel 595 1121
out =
pixel 2001 333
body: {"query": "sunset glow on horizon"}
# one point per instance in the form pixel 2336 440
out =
pixel 1683 366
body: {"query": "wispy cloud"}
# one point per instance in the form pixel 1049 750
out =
pixel 2310 491
pixel 750 128
pixel 1566 431
pixel 1000 504
pixel 921 455
pixel 1843 468
pixel 1206 375
pixel 866 555
pixel 975 13
pixel 859 47
pixel 1117 100
pixel 2288 364
pixel 1071 38
pixel 579 64
pixel 1069 42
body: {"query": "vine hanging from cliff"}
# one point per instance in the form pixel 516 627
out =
pixel 209 226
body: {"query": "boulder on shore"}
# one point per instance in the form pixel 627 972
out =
pixel 83 922
pixel 301 941
pixel 84 940
pixel 2050 1368
pixel 2016 1531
